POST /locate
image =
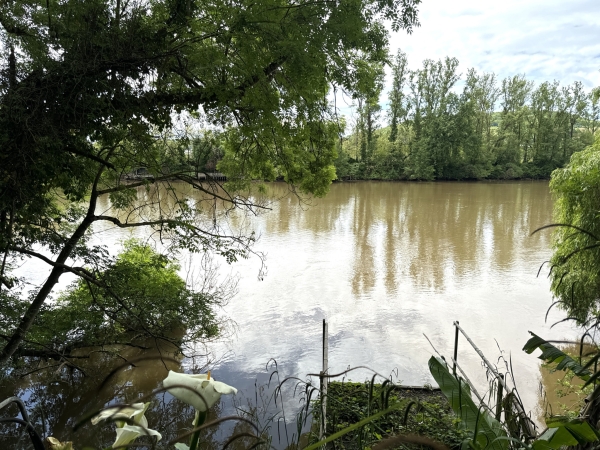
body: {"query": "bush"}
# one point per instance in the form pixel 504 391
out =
pixel 139 295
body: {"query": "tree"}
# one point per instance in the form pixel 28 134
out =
pixel 368 110
pixel 591 114
pixel 477 107
pixel 87 87
pixel 398 107
pixel 509 143
pixel 434 105
pixel 576 260
pixel 142 296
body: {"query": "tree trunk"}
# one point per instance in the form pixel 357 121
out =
pixel 34 309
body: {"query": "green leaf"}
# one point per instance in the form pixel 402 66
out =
pixel 564 432
pixel 354 426
pixel 489 431
pixel 551 354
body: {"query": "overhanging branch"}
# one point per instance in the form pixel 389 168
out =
pixel 175 223
pixel 79 271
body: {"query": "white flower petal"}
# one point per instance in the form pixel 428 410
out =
pixel 119 412
pixel 196 390
pixel 224 389
pixel 128 433
pixel 181 446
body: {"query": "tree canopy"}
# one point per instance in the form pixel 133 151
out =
pixel 137 296
pixel 489 128
pixel 91 90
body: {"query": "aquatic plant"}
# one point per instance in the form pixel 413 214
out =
pixel 201 391
pixel 122 415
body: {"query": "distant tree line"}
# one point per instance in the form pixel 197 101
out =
pixel 498 129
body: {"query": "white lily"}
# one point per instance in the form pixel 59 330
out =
pixel 201 391
pixel 126 433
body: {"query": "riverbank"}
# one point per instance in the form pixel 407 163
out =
pixel 421 411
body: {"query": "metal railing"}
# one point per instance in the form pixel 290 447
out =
pixel 528 426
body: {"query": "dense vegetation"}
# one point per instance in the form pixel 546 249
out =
pixel 124 311
pixel 489 128
pixel 576 259
pixel 419 412
pixel 91 90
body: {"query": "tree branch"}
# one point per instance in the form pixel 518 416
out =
pixel 172 222
pixel 79 271
pixel 13 29
pixel 92 157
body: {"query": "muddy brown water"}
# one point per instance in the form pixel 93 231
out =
pixel 384 263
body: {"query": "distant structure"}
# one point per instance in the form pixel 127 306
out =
pixel 141 173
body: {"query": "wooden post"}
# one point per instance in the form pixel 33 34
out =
pixel 499 397
pixel 324 380
pixel 455 346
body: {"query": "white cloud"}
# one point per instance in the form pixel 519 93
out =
pixel 545 40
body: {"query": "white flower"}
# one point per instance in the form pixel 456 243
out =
pixel 134 412
pixel 126 433
pixel 201 391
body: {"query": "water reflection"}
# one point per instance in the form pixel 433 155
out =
pixel 57 399
pixel 383 263
pixel 433 232
pixel 561 391
pixel 387 262
pixel 429 231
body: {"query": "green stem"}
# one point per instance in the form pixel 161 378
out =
pixel 196 435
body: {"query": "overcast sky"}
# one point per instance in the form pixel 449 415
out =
pixel 544 39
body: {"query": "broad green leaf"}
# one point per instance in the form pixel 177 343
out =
pixel 489 430
pixel 580 427
pixel 551 354
pixel 564 432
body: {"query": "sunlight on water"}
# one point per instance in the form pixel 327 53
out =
pixel 385 263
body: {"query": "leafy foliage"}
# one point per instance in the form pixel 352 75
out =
pixel 419 412
pixel 551 354
pixel 142 297
pixel 576 259
pixel 563 432
pixel 488 432
pixel 498 129
pixel 491 433
pixel 92 91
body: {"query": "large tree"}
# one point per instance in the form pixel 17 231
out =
pixel 88 87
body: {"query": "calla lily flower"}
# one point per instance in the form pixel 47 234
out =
pixel 126 433
pixel 133 412
pixel 201 391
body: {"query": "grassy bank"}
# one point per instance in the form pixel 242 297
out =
pixel 421 411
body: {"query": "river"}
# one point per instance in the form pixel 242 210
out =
pixel 385 264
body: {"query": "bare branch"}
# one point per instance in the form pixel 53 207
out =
pixel 80 271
